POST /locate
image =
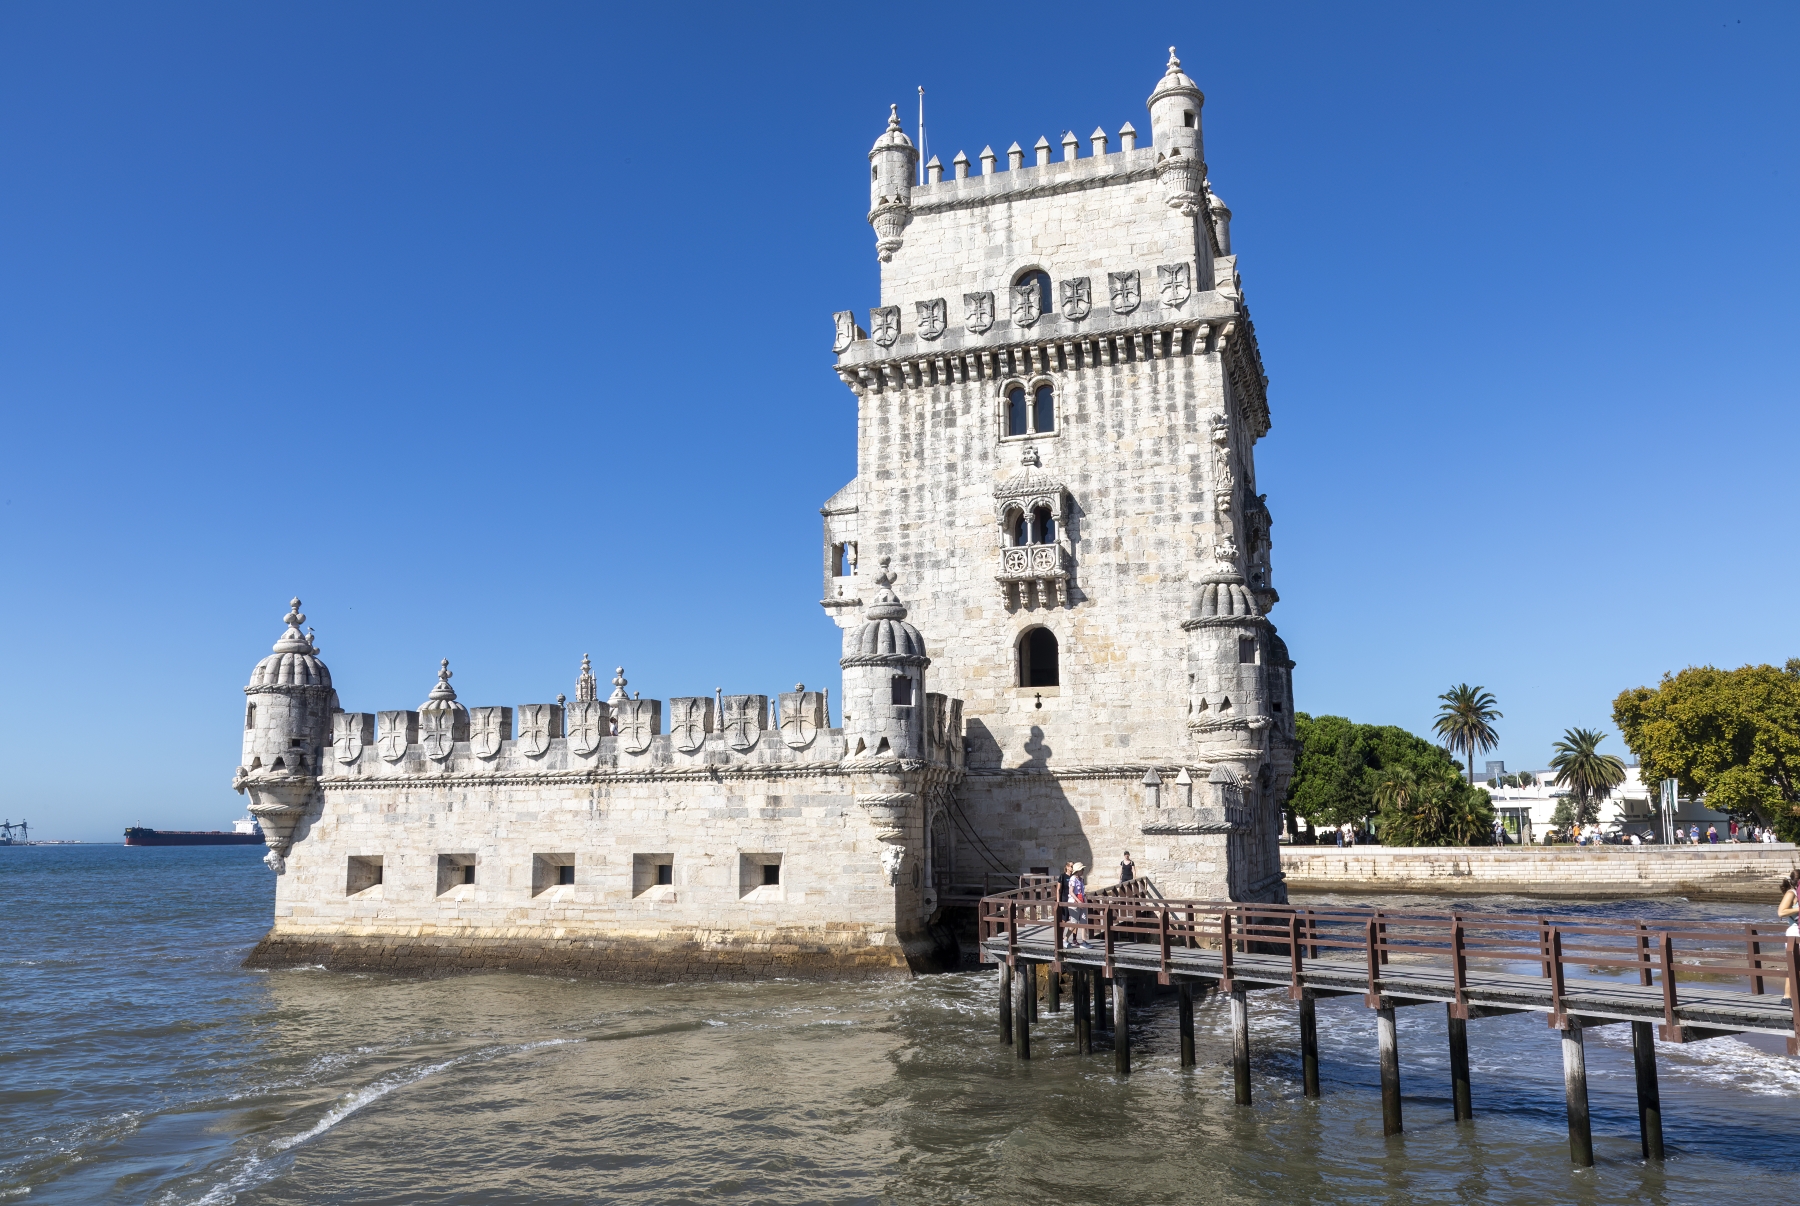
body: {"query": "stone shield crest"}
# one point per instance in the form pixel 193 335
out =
pixel 437 733
pixel 588 720
pixel 398 730
pixel 1177 285
pixel 1077 297
pixel 978 312
pixel 488 727
pixel 690 720
pixel 1026 305
pixel 538 723
pixel 932 317
pixel 348 733
pixel 884 325
pixel 802 716
pixel 744 715
pixel 844 331
pixel 639 721
pixel 1126 293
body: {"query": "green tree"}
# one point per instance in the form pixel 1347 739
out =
pixel 1732 735
pixel 1581 768
pixel 1340 765
pixel 1466 722
pixel 1432 810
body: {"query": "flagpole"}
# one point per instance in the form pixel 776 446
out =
pixel 921 133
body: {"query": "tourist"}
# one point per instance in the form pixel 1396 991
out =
pixel 1732 828
pixel 1789 910
pixel 1636 840
pixel 1712 835
pixel 1077 898
pixel 1127 868
pixel 1693 835
pixel 1339 831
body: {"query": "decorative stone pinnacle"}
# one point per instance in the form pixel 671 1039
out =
pixel 893 119
pixel 585 687
pixel 799 686
pixel 1174 63
pixel 618 695
pixel 294 619
pixel 443 690
pixel 293 640
pixel 887 605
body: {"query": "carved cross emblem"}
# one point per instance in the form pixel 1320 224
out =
pixel 636 724
pixel 884 325
pixel 1026 304
pixel 437 733
pixel 487 729
pixel 537 725
pixel 932 317
pixel 589 720
pixel 393 740
pixel 1125 292
pixel 744 720
pixel 1077 298
pixel 978 312
pixel 801 714
pixel 690 720
pixel 347 735
pixel 1177 285
pixel 844 322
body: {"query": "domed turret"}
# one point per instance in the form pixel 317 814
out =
pixel 1175 132
pixel 884 679
pixel 1224 596
pixel 892 163
pixel 287 725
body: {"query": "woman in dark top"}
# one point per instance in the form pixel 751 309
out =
pixel 1127 868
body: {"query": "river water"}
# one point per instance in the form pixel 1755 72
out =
pixel 140 1063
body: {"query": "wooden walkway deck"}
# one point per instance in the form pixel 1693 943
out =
pixel 1677 981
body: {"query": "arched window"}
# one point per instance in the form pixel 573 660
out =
pixel 1018 529
pixel 1017 414
pixel 1043 526
pixel 1037 659
pixel 1043 410
pixel 1041 279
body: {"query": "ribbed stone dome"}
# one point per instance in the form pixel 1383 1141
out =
pixel 1224 596
pixel 893 136
pixel 1173 80
pixel 295 662
pixel 884 633
pixel 443 696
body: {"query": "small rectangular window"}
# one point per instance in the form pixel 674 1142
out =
pixel 565 875
pixel 903 691
pixel 249 716
pixel 1247 649
pixel 771 874
pixel 665 874
pixel 653 875
pixel 468 873
pixel 759 878
pixel 365 873
pixel 454 871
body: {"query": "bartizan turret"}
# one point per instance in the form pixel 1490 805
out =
pixel 892 164
pixel 1175 131
pixel 287 725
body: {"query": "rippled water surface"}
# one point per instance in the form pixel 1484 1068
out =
pixel 140 1063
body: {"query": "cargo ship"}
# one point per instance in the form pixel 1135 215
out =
pixel 244 833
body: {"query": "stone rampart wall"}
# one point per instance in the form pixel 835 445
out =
pixel 1747 873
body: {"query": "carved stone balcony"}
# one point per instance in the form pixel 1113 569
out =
pixel 1034 575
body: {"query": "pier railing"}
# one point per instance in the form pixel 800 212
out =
pixel 1320 951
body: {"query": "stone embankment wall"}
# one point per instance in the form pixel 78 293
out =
pixel 1727 872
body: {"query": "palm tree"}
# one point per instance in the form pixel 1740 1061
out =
pixel 1466 722
pixel 1589 774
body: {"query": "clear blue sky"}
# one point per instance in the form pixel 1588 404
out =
pixel 501 332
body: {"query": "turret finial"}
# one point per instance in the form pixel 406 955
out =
pixel 585 686
pixel 618 695
pixel 893 118
pixel 293 640
pixel 443 690
pixel 1174 63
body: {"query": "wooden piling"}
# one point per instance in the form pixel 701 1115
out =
pixel 1581 1136
pixel 1121 1027
pixel 1185 1013
pixel 1643 1056
pixel 1240 1044
pixel 1309 1048
pixel 1032 971
pixel 1102 1002
pixel 1053 985
pixel 1022 1013
pixel 1461 1102
pixel 1006 1003
pixel 1390 1071
pixel 1081 981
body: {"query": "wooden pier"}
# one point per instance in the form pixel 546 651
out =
pixel 1681 982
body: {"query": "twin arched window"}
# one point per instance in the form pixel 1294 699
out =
pixel 1030 414
pixel 1039 527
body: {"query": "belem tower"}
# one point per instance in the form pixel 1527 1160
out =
pixel 1052 575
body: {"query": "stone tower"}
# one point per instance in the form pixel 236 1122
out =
pixel 287 728
pixel 1059 397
